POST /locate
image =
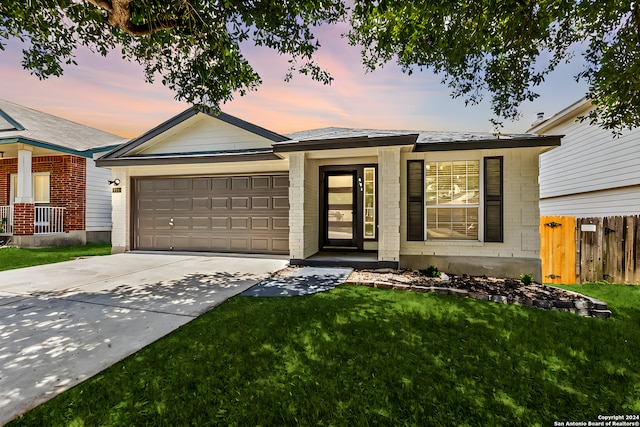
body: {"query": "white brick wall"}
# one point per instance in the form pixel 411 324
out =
pixel 120 212
pixel 389 203
pixel 296 205
pixel 521 212
pixel 311 207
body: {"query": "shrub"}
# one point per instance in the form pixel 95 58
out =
pixel 431 271
pixel 527 279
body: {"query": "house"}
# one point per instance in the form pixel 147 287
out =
pixel 593 174
pixel 51 192
pixel 464 202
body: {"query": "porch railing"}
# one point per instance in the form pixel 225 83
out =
pixel 6 219
pixel 48 220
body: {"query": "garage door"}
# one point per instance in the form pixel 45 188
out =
pixel 247 214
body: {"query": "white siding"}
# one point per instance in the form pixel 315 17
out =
pixel 623 201
pixel 98 198
pixel 589 159
pixel 202 133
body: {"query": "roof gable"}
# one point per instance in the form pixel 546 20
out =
pixel 193 132
pixel 201 134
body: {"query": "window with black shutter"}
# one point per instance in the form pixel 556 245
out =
pixel 415 200
pixel 493 200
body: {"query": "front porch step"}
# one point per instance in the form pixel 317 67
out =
pixel 333 261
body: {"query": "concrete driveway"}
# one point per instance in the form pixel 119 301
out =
pixel 63 323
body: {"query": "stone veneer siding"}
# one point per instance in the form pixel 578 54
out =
pixel 68 185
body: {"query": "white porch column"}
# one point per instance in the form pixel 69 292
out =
pixel 389 204
pixel 296 205
pixel 120 212
pixel 25 180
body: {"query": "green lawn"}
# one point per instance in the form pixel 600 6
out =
pixel 11 258
pixel 363 356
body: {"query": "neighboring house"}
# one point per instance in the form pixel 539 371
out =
pixel 51 192
pixel 464 202
pixel 593 174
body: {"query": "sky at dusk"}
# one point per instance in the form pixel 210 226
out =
pixel 111 94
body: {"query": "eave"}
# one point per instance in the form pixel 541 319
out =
pixel 485 144
pixel 186 159
pixel 340 143
pixel 54 147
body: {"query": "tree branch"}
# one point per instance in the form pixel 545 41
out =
pixel 636 17
pixel 119 16
pixel 102 4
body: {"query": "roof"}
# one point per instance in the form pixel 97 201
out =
pixel 422 140
pixel 330 138
pixel 33 127
pixel 571 112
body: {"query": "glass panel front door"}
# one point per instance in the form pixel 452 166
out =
pixel 340 207
pixel 348 206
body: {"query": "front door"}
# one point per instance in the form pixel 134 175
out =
pixel 342 227
pixel 347 206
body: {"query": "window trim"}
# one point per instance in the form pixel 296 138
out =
pixel 484 202
pixel 465 206
pixel 13 183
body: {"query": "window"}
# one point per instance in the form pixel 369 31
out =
pixel 369 203
pixel 41 187
pixel 452 197
pixel 445 197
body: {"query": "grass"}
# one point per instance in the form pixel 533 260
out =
pixel 11 258
pixel 363 356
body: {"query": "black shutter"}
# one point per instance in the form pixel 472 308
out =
pixel 493 193
pixel 415 200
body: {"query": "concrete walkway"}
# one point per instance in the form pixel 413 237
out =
pixel 306 281
pixel 63 323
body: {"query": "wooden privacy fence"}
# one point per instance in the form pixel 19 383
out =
pixel 590 249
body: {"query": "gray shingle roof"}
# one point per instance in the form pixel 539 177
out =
pixel 424 137
pixel 49 129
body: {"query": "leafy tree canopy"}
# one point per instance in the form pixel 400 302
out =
pixel 507 47
pixel 504 48
pixel 194 45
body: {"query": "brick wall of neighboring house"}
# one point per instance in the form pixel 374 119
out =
pixel 7 167
pixel 68 185
pixel 23 216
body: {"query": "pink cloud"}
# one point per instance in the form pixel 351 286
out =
pixel 110 94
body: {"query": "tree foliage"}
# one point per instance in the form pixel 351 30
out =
pixel 500 48
pixel 194 45
pixel 507 47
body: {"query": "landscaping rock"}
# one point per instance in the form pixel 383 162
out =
pixel 603 314
pixel 563 304
pixel 504 291
pixel 459 292
pixel 543 304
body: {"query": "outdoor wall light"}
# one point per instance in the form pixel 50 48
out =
pixel 115 182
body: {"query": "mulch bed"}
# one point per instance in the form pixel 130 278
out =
pixel 506 291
